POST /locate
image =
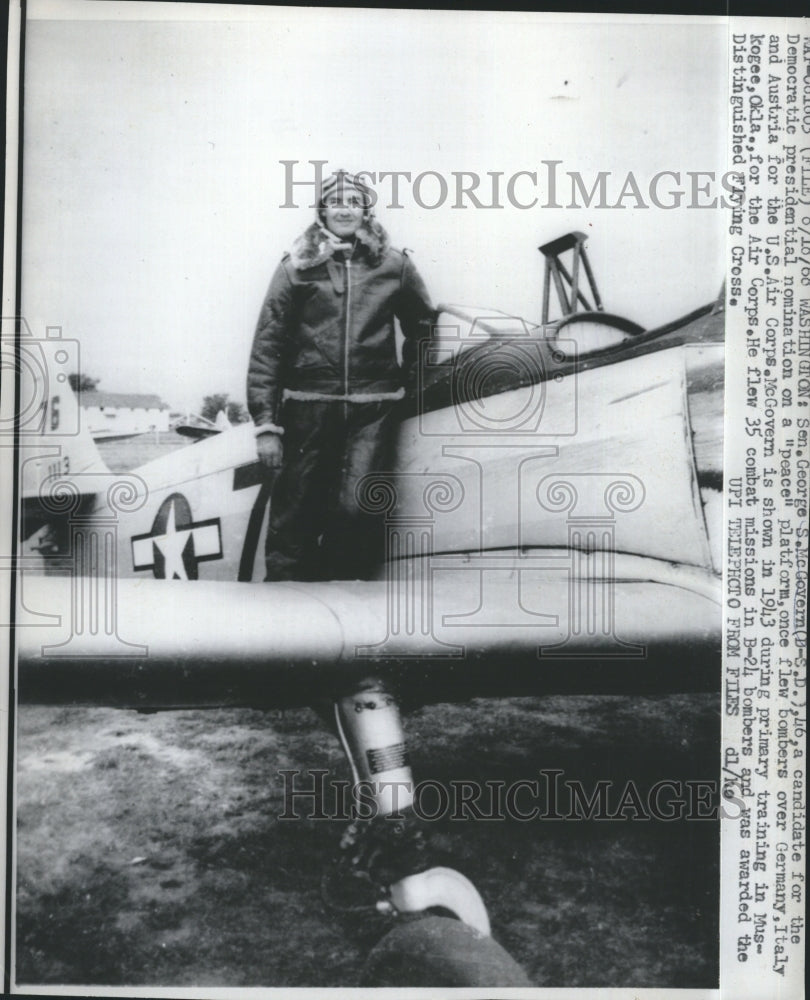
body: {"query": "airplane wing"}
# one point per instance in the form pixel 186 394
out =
pixel 577 550
pixel 656 628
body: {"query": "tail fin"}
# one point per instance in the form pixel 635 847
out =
pixel 54 440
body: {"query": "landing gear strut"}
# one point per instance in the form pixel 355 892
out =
pixel 387 858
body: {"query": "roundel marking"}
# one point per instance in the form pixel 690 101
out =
pixel 177 544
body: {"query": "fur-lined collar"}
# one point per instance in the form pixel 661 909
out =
pixel 316 245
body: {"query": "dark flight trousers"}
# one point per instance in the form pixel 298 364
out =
pixel 317 529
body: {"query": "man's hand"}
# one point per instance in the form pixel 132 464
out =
pixel 270 449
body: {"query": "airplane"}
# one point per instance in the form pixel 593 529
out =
pixel 553 525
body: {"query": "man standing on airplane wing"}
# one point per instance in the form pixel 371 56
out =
pixel 322 385
pixel 323 380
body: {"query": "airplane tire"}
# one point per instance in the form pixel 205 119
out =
pixel 440 951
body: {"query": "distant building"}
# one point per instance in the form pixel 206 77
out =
pixel 121 414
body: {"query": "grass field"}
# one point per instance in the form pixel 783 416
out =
pixel 150 849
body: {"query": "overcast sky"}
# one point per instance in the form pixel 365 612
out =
pixel 152 181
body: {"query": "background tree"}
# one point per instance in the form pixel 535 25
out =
pixel 79 382
pixel 211 406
